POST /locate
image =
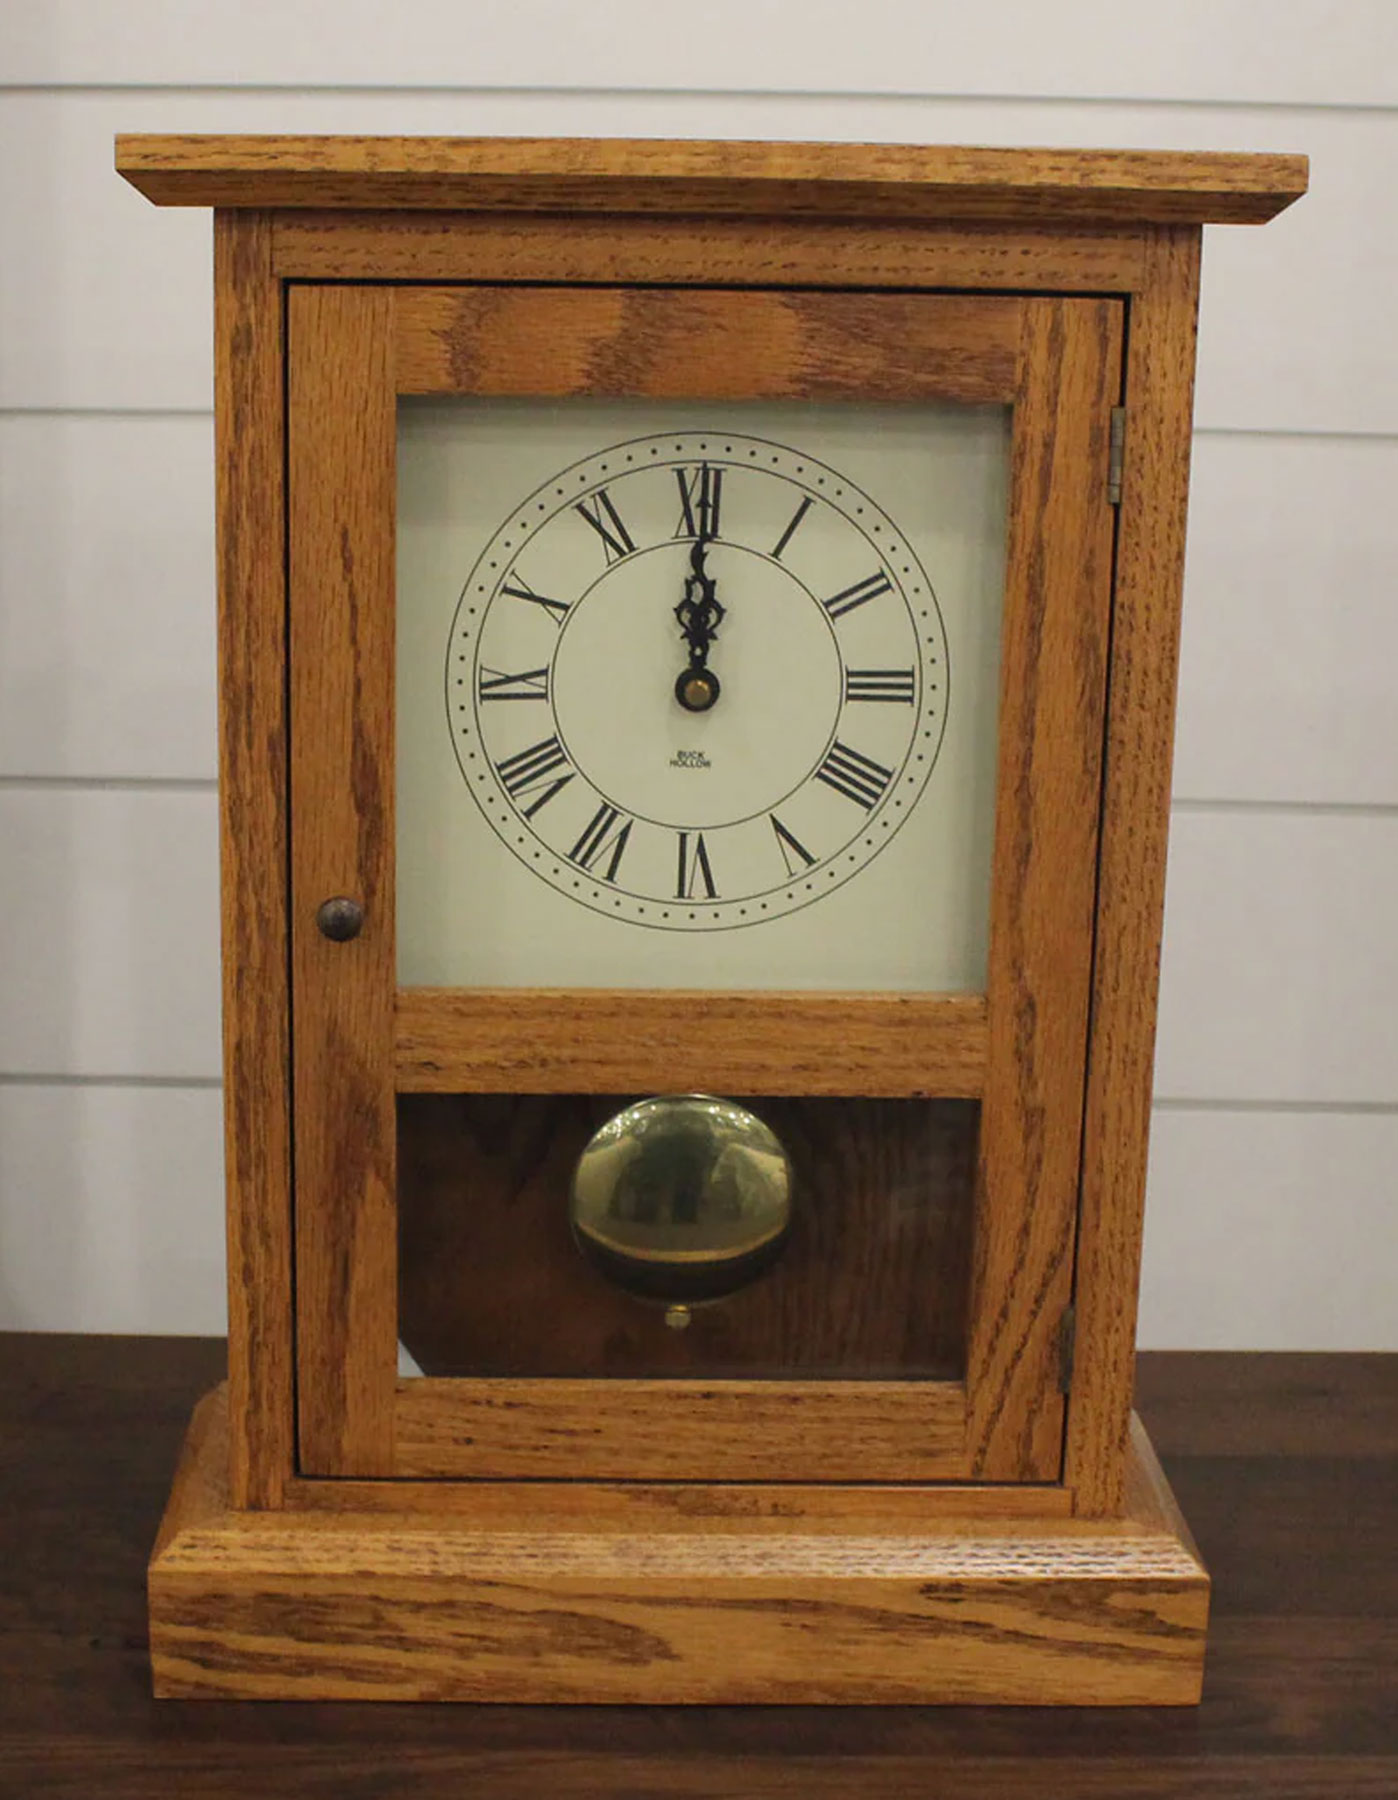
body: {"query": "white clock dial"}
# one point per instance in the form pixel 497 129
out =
pixel 721 777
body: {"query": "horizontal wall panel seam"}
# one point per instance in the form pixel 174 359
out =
pixel 1342 809
pixel 161 784
pixel 133 413
pixel 192 1082
pixel 1287 1108
pixel 117 784
pixel 641 91
pixel 1263 433
pixel 1356 1109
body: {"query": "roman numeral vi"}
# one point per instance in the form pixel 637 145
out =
pixel 694 868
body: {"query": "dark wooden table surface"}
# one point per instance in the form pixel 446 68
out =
pixel 1286 1466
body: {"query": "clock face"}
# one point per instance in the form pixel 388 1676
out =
pixel 696 696
pixel 697 680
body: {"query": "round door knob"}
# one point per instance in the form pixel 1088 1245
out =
pixel 340 918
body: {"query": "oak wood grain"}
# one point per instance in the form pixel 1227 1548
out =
pixel 362 1606
pixel 871 1282
pixel 664 344
pixel 697 1506
pixel 705 252
pixel 1131 892
pixel 658 175
pixel 609 1040
pixel 659 1430
pixel 342 473
pixel 1052 694
pixel 249 446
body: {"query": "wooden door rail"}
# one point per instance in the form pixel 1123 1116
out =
pixel 604 1040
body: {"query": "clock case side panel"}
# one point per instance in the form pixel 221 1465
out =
pixel 1131 883
pixel 253 833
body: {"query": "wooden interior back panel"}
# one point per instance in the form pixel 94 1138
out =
pixel 872 1281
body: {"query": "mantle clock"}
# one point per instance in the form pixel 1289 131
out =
pixel 698 632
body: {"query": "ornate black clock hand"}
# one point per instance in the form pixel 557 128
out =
pixel 700 614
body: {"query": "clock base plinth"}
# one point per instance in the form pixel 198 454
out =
pixel 408 1601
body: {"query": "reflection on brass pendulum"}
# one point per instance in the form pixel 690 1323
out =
pixel 682 1199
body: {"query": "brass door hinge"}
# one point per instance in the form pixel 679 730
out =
pixel 1116 454
pixel 1067 1336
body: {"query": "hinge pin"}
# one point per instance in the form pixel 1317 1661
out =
pixel 1116 454
pixel 1067 1335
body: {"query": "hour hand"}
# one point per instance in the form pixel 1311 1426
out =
pixel 699 614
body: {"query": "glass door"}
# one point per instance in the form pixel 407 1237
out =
pixel 693 693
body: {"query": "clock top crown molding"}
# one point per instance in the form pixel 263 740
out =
pixel 669 176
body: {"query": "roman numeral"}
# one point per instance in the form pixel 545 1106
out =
pixel 796 519
pixel 694 868
pixel 533 768
pixel 599 837
pixel 879 684
pixel 519 589
pixel 605 520
pixel 529 684
pixel 856 776
pixel 786 843
pixel 848 598
pixel 700 492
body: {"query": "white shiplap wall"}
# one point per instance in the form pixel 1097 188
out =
pixel 1272 1216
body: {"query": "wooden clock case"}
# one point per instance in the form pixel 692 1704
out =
pixel 1006 1536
